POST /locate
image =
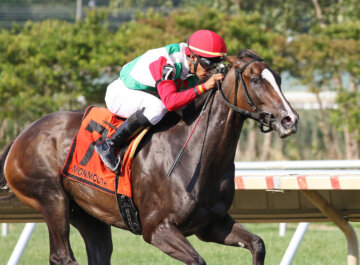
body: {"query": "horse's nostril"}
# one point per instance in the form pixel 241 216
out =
pixel 286 122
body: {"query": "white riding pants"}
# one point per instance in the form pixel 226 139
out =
pixel 123 102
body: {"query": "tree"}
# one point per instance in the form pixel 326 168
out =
pixel 324 60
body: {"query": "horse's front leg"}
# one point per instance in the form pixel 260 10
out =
pixel 171 241
pixel 226 231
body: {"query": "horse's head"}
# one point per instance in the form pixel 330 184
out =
pixel 254 89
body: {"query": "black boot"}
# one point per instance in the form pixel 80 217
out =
pixel 107 148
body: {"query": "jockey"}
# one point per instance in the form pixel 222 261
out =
pixel 172 72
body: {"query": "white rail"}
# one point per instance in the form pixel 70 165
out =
pixel 300 165
pixel 309 176
pixel 294 244
pixel 21 244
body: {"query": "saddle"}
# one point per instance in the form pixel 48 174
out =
pixel 85 166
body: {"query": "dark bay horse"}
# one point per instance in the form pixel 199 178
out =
pixel 194 200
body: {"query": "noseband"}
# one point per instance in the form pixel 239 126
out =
pixel 264 118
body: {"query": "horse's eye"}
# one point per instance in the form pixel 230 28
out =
pixel 255 81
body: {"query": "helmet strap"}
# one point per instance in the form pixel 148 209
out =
pixel 194 63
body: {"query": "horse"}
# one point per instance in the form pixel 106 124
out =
pixel 193 200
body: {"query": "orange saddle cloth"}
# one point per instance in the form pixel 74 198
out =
pixel 84 165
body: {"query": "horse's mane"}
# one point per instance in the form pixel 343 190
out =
pixel 248 53
pixel 191 111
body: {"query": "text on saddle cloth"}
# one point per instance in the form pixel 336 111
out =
pixel 85 166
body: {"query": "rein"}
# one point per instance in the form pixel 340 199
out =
pixel 176 161
pixel 264 118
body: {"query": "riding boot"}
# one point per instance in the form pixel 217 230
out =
pixel 107 148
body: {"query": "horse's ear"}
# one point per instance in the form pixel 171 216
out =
pixel 233 60
pixel 253 52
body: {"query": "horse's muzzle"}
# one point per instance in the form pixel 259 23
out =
pixel 286 126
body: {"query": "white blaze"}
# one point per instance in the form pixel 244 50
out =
pixel 266 74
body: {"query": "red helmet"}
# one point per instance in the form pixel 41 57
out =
pixel 206 43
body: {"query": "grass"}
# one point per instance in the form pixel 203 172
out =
pixel 322 244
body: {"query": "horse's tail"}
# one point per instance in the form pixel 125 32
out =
pixel 2 164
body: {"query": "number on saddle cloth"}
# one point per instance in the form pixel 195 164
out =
pixel 95 126
pixel 81 164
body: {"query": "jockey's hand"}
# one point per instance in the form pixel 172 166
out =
pixel 211 82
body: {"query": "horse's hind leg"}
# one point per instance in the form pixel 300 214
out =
pixel 97 235
pixel 230 233
pixel 55 211
pixel 49 199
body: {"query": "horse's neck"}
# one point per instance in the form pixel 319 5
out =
pixel 225 127
pixel 219 129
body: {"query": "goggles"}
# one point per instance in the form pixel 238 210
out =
pixel 209 64
pixel 206 63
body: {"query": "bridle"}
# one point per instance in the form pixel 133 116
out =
pixel 264 118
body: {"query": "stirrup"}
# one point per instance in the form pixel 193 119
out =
pixel 114 168
pixel 107 156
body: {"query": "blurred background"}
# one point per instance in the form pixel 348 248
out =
pixel 61 55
